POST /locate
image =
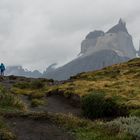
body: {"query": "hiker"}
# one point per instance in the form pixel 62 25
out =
pixel 2 69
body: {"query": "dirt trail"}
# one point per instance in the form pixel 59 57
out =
pixel 55 104
pixel 27 129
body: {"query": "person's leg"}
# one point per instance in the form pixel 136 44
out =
pixel 2 72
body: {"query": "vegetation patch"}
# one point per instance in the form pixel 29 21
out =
pixel 36 95
pixel 81 129
pixel 34 84
pixel 88 130
pixel 38 102
pixel 96 105
pixel 120 81
pixel 9 101
pixel 135 112
pixel 22 85
pixel 5 133
pixel 130 125
pixel 19 91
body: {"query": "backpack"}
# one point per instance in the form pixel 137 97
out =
pixel 2 67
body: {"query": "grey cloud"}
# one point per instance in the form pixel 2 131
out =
pixel 36 33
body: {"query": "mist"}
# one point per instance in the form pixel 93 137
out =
pixel 35 33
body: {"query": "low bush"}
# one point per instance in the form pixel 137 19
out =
pixel 84 129
pixel 37 102
pixel 130 125
pixel 22 85
pixel 8 100
pixel 95 105
pixel 5 133
pixel 36 95
pixel 135 112
pixel 37 84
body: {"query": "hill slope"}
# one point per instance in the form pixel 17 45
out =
pixel 24 99
pixel 120 80
pixel 87 63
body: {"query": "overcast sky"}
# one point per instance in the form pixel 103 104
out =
pixel 37 33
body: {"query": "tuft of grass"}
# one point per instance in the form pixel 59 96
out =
pixel 22 85
pixel 9 101
pixel 31 93
pixel 33 89
pixel 37 102
pixel 135 112
pixel 5 133
pixel 19 91
pixel 37 84
pixel 36 95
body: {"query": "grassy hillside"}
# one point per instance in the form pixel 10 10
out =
pixel 103 96
pixel 121 81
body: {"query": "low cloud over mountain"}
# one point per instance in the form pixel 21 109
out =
pixel 98 50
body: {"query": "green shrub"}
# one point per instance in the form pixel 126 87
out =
pixel 37 102
pixel 130 125
pixel 37 84
pixel 5 133
pixel 96 105
pixel 8 100
pixel 36 95
pixel 22 85
pixel 135 112
pixel 2 89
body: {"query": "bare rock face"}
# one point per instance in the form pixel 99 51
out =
pixel 90 41
pixel 90 62
pixel 99 50
pixel 116 39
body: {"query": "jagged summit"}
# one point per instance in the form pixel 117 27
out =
pixel 122 22
pixel 121 26
pixel 117 39
pixel 95 34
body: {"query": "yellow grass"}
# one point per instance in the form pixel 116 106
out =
pixel 122 81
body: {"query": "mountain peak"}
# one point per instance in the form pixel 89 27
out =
pixel 122 22
pixel 120 27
